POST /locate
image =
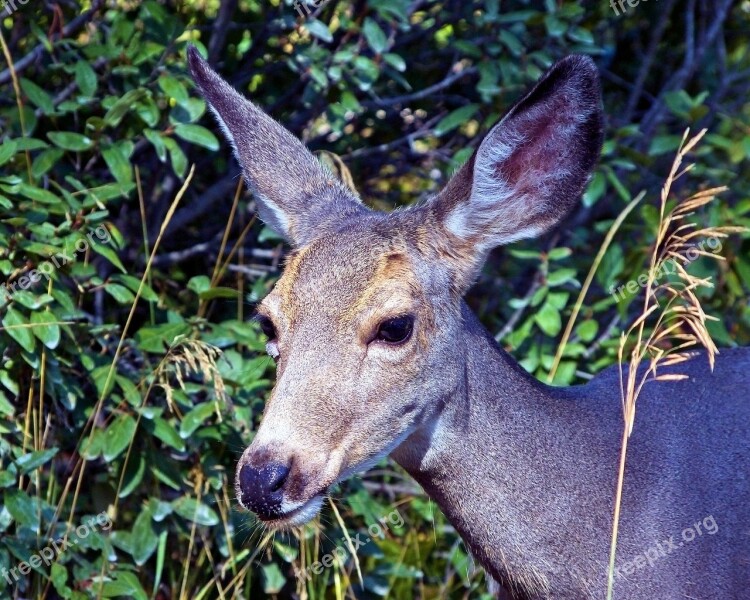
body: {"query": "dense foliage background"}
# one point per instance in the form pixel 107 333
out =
pixel 129 403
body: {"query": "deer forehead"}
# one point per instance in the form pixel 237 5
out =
pixel 350 278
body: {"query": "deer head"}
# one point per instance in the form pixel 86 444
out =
pixel 365 322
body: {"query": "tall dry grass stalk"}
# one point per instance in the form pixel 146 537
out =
pixel 186 357
pixel 672 319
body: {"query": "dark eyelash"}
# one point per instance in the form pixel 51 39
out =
pixel 266 325
pixel 395 331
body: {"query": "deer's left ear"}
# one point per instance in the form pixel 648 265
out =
pixel 529 170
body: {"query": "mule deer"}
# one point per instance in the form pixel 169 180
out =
pixel 378 354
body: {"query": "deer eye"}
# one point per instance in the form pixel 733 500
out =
pixel 395 331
pixel 267 327
pixel 269 330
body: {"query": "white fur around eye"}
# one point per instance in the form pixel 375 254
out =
pixel 272 348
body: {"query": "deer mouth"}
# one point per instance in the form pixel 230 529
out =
pixel 295 516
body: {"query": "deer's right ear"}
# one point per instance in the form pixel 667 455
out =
pixel 296 196
pixel 529 170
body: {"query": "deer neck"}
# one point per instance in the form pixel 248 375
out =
pixel 496 459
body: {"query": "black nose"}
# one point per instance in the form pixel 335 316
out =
pixel 262 490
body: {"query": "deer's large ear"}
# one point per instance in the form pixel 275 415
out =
pixel 529 170
pixel 296 196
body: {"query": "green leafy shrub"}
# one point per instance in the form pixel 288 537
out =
pixel 129 385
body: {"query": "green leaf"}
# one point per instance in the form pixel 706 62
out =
pixel 367 72
pixel 163 429
pixel 595 189
pixel 177 156
pixel 579 34
pixel 561 276
pixel 273 579
pixel 156 141
pixel 7 479
pixel 16 326
pixel 199 283
pixel 117 158
pixel 38 194
pixel 46 328
pixel 133 475
pixel 586 331
pixel 7 150
pixel 123 105
pixel 160 556
pixel 133 284
pixel 59 579
pixel 10 384
pixel 455 119
pixel 102 378
pixel 86 78
pixel 197 512
pixel 375 36
pixel 158 337
pixel 395 61
pixel 38 96
pixel 319 76
pixel 118 436
pixel 6 408
pixel 285 551
pixel 555 26
pixel 119 292
pixel 45 161
pixel 511 42
pixel 32 301
pixel 558 299
pixel 565 373
pixel 662 144
pixel 319 30
pixel 129 390
pixel 160 509
pixel 125 584
pixel 91 447
pixel 21 507
pixel 559 253
pixel 24 144
pixel 67 140
pixel 195 418
pixel 143 540
pixel 110 255
pixel 173 88
pixel 33 460
pixel 195 134
pixel 548 319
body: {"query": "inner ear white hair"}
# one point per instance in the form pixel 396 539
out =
pixel 530 169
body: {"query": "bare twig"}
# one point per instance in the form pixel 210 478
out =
pixel 449 80
pixel 695 51
pixel 37 52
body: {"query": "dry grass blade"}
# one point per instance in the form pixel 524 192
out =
pixel 589 279
pixel 189 356
pixel 349 543
pixel 672 318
